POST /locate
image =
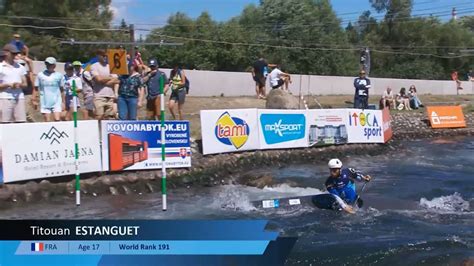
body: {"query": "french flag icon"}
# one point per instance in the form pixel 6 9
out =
pixel 37 246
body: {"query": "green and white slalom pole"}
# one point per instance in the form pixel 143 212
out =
pixel 76 145
pixel 163 143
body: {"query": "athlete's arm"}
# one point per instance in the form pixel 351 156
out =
pixel 356 175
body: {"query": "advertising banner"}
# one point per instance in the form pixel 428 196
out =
pixel 446 116
pixel 387 125
pixel 37 150
pixel 136 145
pixel 327 127
pixel 229 130
pixel 282 129
pixel 365 126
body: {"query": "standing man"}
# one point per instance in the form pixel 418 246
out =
pixel 152 80
pixel 12 83
pixel 20 45
pixel 362 86
pixel 69 95
pixel 30 104
pixel 86 98
pixel 259 75
pixel 105 87
pixel 50 85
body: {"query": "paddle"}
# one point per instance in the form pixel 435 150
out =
pixel 359 200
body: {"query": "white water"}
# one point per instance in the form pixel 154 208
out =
pixel 451 203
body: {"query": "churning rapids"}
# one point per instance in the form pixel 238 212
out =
pixel 419 209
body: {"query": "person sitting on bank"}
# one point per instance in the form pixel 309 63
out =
pixel 278 78
pixel 388 99
pixel 341 181
pixel 403 100
pixel 415 102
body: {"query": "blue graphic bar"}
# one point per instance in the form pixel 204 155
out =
pixel 165 247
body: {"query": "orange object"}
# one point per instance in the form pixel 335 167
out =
pixel 124 152
pixel 446 116
pixel 387 125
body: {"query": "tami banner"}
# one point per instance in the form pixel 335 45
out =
pixel 37 150
pixel 229 130
pixel 136 145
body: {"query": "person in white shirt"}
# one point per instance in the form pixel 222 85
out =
pixel 12 83
pixel 68 90
pixel 50 85
pixel 388 99
pixel 278 78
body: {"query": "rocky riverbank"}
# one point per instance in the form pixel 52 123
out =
pixel 213 170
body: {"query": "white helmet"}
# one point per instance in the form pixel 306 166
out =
pixel 335 163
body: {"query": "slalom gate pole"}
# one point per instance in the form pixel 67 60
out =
pixel 163 143
pixel 76 145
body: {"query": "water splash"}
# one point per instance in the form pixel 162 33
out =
pixel 233 197
pixel 451 203
pixel 293 191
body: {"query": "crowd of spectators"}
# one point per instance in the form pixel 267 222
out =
pixel 101 94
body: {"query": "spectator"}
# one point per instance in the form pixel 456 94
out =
pixel 178 91
pixel 130 94
pixel 12 82
pixel 30 103
pixel 86 98
pixel 68 80
pixel 138 61
pixel 415 102
pixel 20 45
pixel 470 75
pixel 105 87
pixel 403 100
pixel 259 74
pixel 278 78
pixel 50 85
pixel 388 99
pixel 454 76
pixel 152 80
pixel 362 86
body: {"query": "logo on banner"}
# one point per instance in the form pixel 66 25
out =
pixel 232 131
pixel 435 118
pixel 279 128
pixel 54 135
pixel 368 121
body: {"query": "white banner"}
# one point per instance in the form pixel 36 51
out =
pixel 282 129
pixel 327 126
pixel 365 126
pixel 37 150
pixel 229 130
pixel 136 145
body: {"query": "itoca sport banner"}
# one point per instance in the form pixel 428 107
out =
pixel 136 145
pixel 365 126
pixel 446 116
pixel 38 150
pixel 282 129
pixel 327 126
pixel 229 130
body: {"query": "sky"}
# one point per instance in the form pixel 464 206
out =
pixel 147 14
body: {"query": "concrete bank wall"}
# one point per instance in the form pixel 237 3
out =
pixel 215 83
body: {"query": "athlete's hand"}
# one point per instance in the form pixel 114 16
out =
pixel 367 178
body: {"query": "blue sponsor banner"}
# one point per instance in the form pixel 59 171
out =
pixel 282 129
pixel 222 242
pixel 135 145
